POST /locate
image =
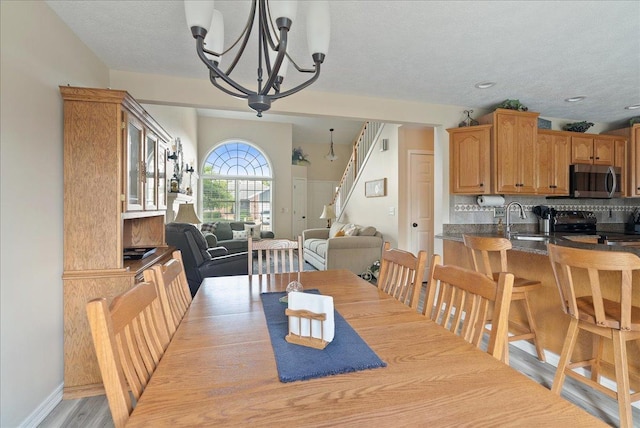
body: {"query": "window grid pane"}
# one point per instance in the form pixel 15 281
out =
pixel 236 183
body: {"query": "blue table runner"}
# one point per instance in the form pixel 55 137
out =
pixel 346 353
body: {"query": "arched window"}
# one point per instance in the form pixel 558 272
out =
pixel 236 184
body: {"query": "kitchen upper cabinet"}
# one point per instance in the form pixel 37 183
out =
pixel 514 144
pixel 592 150
pixel 470 160
pixel 554 158
pixel 631 170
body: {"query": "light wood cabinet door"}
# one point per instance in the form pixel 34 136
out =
pixel 554 155
pixel 592 150
pixel 133 180
pixel 515 141
pixel 620 160
pixel 469 155
pixel 150 169
pixel 635 161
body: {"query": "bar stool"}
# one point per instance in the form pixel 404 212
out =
pixel 595 313
pixel 479 249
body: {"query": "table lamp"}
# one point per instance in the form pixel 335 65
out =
pixel 328 213
pixel 187 214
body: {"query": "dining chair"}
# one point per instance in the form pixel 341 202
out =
pixel 480 249
pixel 401 274
pixel 460 300
pixel 603 314
pixel 276 255
pixel 173 289
pixel 129 337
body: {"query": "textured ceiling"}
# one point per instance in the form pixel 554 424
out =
pixel 539 52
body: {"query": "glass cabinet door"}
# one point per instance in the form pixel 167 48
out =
pixel 162 175
pixel 150 181
pixel 134 165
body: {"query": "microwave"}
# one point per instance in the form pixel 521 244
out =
pixel 595 181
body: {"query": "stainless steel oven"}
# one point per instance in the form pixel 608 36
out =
pixel 595 181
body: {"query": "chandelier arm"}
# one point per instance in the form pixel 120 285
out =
pixel 265 14
pixel 214 82
pixel 214 68
pixel 247 33
pixel 300 69
pixel 273 73
pixel 300 86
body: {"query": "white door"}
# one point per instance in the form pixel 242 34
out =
pixel 421 203
pixel 320 194
pixel 299 214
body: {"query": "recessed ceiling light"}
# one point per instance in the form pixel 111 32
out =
pixel 575 99
pixel 484 85
pixel 633 107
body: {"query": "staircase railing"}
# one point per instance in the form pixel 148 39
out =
pixel 361 148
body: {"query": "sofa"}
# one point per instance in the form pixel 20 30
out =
pixel 343 246
pixel 232 235
pixel 199 260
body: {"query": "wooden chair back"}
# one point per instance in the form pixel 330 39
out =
pixel 276 255
pixel 173 290
pixel 480 247
pixel 591 306
pixel 401 274
pixel 460 300
pixel 604 313
pixel 129 337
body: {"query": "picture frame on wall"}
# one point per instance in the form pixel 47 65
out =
pixel 375 188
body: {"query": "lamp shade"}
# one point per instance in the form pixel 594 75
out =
pixel 199 13
pixel 318 27
pixel 328 212
pixel 187 214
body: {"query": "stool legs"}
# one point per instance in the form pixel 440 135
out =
pixel 532 333
pixel 622 378
pixel 565 357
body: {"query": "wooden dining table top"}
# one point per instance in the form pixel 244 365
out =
pixel 220 370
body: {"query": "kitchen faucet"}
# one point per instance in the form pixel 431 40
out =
pixel 507 231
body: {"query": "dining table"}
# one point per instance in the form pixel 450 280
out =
pixel 219 368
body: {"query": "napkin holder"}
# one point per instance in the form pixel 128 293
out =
pixel 311 321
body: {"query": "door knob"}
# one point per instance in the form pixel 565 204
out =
pixel 415 224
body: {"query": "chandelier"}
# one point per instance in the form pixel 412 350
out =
pixel 331 155
pixel 274 22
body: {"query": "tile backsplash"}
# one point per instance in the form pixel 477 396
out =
pixel 465 209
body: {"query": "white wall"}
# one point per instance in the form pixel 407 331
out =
pixel 274 139
pixel 38 53
pixel 375 211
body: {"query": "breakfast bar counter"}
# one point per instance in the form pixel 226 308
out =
pixel 529 259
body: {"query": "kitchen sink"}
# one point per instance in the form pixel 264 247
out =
pixel 527 237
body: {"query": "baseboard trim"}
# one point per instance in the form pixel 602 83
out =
pixel 553 359
pixel 42 411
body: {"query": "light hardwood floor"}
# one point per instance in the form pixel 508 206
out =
pixel 94 411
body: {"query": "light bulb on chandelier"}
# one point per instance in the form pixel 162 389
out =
pixel 207 28
pixel 331 155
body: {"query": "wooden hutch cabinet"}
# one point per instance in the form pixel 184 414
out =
pixel 114 199
pixel 553 160
pixel 514 143
pixel 470 160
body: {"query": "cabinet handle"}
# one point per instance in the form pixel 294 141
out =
pixel 481 184
pixel 553 186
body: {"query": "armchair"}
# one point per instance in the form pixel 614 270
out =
pixel 199 261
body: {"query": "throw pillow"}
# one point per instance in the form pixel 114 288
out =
pixel 223 231
pixel 239 234
pixel 367 231
pixel 253 230
pixel 352 230
pixel 339 233
pixel 208 227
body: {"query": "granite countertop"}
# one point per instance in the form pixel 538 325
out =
pixel 540 247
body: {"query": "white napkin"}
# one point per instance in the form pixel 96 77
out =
pixel 315 303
